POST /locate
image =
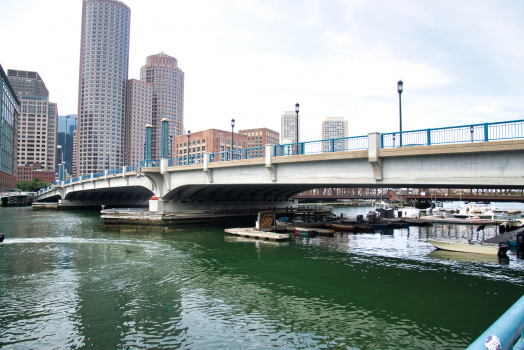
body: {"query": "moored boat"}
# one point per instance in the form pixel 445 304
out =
pixel 343 228
pixel 469 247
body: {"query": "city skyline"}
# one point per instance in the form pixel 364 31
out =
pixel 252 61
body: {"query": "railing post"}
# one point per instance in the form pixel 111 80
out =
pixel 332 142
pixel 486 134
pixel 429 137
pixel 302 148
pixel 381 140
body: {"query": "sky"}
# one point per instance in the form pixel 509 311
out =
pixel 461 62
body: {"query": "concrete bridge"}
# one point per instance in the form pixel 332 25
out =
pixel 272 181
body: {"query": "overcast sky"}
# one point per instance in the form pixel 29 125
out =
pixel 461 61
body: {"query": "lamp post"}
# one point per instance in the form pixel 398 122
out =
pixel 188 146
pixel 400 88
pixel 232 137
pixel 471 130
pixel 145 150
pixel 107 162
pixel 393 140
pixel 297 106
pixel 124 154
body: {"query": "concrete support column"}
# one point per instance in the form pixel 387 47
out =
pixel 208 171
pixel 163 165
pixel 156 204
pixel 373 148
pixel 270 151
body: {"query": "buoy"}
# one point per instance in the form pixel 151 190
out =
pixel 1 237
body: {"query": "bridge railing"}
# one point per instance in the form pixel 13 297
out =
pixel 85 177
pixel 56 183
pixel 456 134
pixel 76 179
pixel 323 146
pixel 99 174
pixel 506 333
pixel 67 182
pixel 152 163
pixel 131 168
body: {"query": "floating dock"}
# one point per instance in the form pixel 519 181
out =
pixel 252 232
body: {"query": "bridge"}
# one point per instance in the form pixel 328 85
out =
pixel 486 155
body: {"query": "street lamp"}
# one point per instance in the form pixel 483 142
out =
pixel 400 88
pixel 296 110
pixel 107 162
pixel 124 154
pixel 232 136
pixel 188 145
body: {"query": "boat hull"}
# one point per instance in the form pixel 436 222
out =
pixel 464 247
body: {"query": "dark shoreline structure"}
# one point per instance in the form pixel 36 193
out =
pixel 145 217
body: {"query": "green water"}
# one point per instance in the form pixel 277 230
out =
pixel 68 282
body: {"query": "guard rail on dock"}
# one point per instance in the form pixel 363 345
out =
pixel 506 333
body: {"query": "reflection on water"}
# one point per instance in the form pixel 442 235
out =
pixel 66 281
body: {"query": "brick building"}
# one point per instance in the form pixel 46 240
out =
pixel 260 137
pixel 29 172
pixel 210 141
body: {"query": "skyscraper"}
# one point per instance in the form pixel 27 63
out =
pixel 289 124
pixel 167 82
pixel 138 115
pixel 333 128
pixel 104 60
pixel 37 135
pixel 9 113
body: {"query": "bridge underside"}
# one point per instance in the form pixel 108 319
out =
pixel 237 192
pixel 138 193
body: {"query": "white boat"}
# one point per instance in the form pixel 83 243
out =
pixel 410 213
pixel 467 246
pixel 466 211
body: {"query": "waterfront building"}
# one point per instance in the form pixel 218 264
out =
pixel 9 114
pixel 104 60
pixel 332 128
pixel 30 172
pixel 258 138
pixel 290 130
pixel 138 115
pixel 66 128
pixel 37 124
pixel 167 84
pixel 210 141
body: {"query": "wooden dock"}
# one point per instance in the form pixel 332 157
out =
pixel 252 232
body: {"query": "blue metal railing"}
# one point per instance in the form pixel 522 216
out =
pixel 56 183
pixel 86 177
pixel 323 146
pixel 505 331
pixel 76 179
pixel 456 134
pixel 152 163
pixel 99 174
pixel 131 168
pixel 67 182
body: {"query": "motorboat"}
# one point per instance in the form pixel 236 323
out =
pixel 511 225
pixel 410 213
pixel 467 246
pixel 466 211
pixel 342 227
